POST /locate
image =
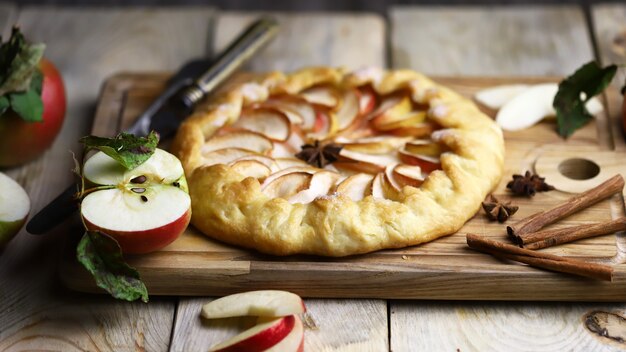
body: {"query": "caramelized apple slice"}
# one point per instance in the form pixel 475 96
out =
pixel 322 95
pixel 428 164
pixel 367 100
pixel 423 129
pixel 303 169
pixel 269 122
pixel 377 189
pixel 391 107
pixel 247 140
pixel 356 187
pixel 365 162
pixel 225 156
pixel 321 183
pixel 409 175
pixel 423 147
pixel 251 168
pixel 374 145
pixel 325 125
pixel 287 185
pixel 284 163
pixel 265 160
pixel 388 122
pixel 349 109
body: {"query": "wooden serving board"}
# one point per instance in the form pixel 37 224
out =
pixel 443 269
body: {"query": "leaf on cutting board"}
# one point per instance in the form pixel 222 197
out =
pixel 125 148
pixel 574 91
pixel 102 256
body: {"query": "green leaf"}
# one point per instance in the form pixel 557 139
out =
pixel 126 148
pixel 28 105
pixel 574 91
pixel 4 104
pixel 18 63
pixel 101 255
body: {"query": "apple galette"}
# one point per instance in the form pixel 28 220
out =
pixel 332 163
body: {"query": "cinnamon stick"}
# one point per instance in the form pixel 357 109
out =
pixel 539 259
pixel 581 201
pixel 549 238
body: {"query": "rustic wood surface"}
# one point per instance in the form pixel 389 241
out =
pixel 36 313
pixel 494 41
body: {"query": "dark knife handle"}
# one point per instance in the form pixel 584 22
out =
pixel 238 52
pixel 64 205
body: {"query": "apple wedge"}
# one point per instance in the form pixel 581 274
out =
pixel 262 303
pixel 408 175
pixel 251 168
pixel 356 187
pixel 14 208
pixel 246 140
pixel 364 162
pixel 294 341
pixel 423 147
pixel 226 156
pixel 495 97
pixel 322 95
pixel 321 183
pixel 260 337
pixel 428 164
pixel 287 185
pixel 269 122
pixel 144 209
pixel 349 109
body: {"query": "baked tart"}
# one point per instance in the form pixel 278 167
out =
pixel 334 163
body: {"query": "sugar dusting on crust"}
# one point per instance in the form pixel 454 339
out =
pixel 331 197
pixel 439 111
pixel 370 73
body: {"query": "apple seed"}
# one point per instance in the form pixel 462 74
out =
pixel 144 198
pixel 138 190
pixel 138 179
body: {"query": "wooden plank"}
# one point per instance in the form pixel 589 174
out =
pixel 494 41
pixel 609 30
pixel 87 45
pixel 439 269
pixel 312 39
pixel 307 39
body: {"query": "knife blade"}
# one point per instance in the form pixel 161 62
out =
pixel 185 89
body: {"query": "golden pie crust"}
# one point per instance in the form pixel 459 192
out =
pixel 232 208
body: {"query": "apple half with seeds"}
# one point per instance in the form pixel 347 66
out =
pixel 144 209
pixel 14 208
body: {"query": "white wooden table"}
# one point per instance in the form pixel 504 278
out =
pixel 90 44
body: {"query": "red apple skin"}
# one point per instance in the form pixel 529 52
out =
pixel 22 141
pixel 142 242
pixel 264 339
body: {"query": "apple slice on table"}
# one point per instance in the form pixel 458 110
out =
pixel 144 209
pixel 246 140
pixel 269 122
pixel 409 175
pixel 14 208
pixel 260 337
pixel 226 156
pixel 287 185
pixel 428 164
pixel 321 183
pixel 356 187
pixel 262 303
pixel 294 341
pixel 251 168
pixel 369 163
pixel 322 95
pixel 423 147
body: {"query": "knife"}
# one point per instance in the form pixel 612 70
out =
pixel 185 89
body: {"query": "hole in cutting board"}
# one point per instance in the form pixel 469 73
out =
pixel 579 169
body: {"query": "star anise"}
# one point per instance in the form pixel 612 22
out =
pixel 528 185
pixel 319 154
pixel 496 210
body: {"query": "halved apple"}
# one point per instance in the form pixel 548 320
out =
pixel 321 183
pixel 356 187
pixel 364 162
pixel 349 109
pixel 428 164
pixel 287 185
pixel 144 209
pixel 322 95
pixel 262 303
pixel 294 341
pixel 267 121
pixel 260 337
pixel 251 168
pixel 423 147
pixel 386 122
pixel 409 175
pixel 246 140
pixel 14 208
pixel 226 156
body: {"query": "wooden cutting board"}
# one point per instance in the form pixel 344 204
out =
pixel 443 269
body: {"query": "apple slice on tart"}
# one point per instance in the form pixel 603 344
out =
pixel 370 140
